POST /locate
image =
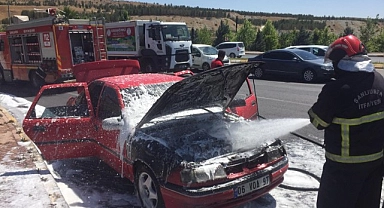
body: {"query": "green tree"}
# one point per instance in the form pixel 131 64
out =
pixel 271 37
pixel 303 37
pixel 69 13
pixel 379 42
pixel 348 31
pixel 287 38
pixel 368 32
pixel 204 36
pixel 246 34
pixel 258 44
pixel 222 33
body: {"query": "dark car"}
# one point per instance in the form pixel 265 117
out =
pixel 293 62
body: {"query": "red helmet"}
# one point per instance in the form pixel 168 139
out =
pixel 350 44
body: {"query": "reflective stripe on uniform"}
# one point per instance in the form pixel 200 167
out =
pixel 354 159
pixel 345 140
pixel 317 120
pixel 361 120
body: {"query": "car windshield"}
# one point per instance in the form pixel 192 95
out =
pixel 175 32
pixel 208 50
pixel 306 55
pixel 138 100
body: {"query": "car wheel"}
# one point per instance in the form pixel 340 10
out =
pixel 232 55
pixel 36 80
pixel 309 75
pixel 148 188
pixel 206 66
pixel 258 73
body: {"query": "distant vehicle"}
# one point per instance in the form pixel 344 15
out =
pixel 317 50
pixel 172 137
pixel 204 54
pixel 232 49
pixel 293 62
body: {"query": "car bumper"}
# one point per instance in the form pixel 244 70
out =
pixel 223 195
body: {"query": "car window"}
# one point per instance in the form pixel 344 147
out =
pixel 279 55
pixel 306 55
pixel 94 91
pixel 209 50
pixel 52 105
pixel 241 45
pixel 305 49
pixel 318 52
pixel 195 52
pixel 242 94
pixel 109 104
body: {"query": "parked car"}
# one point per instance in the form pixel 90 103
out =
pixel 317 50
pixel 293 62
pixel 204 54
pixel 232 49
pixel 172 137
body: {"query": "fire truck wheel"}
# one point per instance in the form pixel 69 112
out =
pixel 36 81
pixel 148 66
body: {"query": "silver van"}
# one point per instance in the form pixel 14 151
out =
pixel 232 49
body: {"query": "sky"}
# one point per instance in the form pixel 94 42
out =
pixel 86 183
pixel 351 8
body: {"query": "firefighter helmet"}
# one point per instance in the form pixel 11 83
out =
pixel 350 44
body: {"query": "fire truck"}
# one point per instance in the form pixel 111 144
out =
pixel 159 46
pixel 44 50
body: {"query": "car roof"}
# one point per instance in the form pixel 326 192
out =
pixel 134 80
pixel 200 45
pixel 307 46
pixel 230 42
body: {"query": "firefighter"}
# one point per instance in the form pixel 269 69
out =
pixel 218 62
pixel 350 109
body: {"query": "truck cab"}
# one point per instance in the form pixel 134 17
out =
pixel 159 46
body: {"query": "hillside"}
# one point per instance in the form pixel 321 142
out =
pixel 336 26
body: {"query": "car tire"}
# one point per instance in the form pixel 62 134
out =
pixel 205 66
pixel 36 81
pixel 147 66
pixel 308 75
pixel 232 55
pixel 148 188
pixel 258 73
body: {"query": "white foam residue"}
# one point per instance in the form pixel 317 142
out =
pixel 255 133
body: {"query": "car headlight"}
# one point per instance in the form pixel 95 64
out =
pixel 327 67
pixel 200 174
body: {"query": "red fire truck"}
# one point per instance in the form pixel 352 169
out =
pixel 45 50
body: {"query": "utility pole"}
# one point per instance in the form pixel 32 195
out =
pixel 9 14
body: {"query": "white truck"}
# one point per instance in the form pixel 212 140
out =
pixel 159 46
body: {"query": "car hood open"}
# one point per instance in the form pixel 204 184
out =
pixel 216 87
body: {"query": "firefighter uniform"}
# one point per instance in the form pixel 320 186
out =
pixel 351 112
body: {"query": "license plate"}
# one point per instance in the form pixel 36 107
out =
pixel 251 186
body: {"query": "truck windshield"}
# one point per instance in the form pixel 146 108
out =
pixel 176 33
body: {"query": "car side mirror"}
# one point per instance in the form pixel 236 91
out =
pixel 113 123
pixel 237 103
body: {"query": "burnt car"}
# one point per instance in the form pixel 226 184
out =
pixel 176 139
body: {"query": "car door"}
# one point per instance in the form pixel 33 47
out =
pixel 249 108
pixel 289 63
pixel 61 125
pixel 196 58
